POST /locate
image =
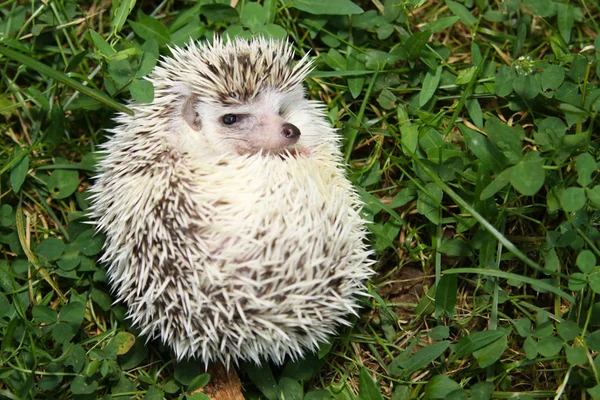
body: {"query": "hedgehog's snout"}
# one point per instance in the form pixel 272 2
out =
pixel 290 132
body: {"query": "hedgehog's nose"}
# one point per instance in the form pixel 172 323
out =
pixel 290 132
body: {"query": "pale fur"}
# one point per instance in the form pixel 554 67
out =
pixel 227 256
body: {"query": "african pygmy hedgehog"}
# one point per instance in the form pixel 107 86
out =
pixel 231 230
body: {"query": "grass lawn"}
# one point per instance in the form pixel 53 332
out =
pixel 470 130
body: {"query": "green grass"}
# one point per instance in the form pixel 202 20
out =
pixel 470 130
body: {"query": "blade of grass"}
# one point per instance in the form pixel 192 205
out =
pixel 359 117
pixel 488 226
pixel 64 79
pixel 20 221
pixel 516 277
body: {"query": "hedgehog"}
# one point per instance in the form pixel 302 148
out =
pixel 232 231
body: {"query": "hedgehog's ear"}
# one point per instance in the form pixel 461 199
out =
pixel 189 113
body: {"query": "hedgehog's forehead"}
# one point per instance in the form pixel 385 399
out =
pixel 239 77
pixel 239 71
pixel 269 101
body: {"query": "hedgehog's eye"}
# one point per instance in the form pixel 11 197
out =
pixel 229 119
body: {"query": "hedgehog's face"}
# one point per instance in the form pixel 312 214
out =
pixel 270 123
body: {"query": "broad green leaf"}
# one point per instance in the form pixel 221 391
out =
pixel 429 202
pixel 482 391
pixel 72 314
pixel 194 30
pixel 150 28
pixel 270 7
pixel 586 166
pixel 154 393
pixel 184 17
pixel 62 183
pixel 272 31
pixel 594 195
pixel 289 389
pixel 553 77
pixel 415 44
pixel 56 129
pixel 303 369
pixel 530 347
pixel 476 341
pixel 576 140
pixel 543 329
pixel 367 387
pixel 329 7
pixel 50 249
pixel 76 357
pixel 592 340
pixel 253 16
pixel 119 14
pixel 577 281
pixel 82 385
pixel 5 306
pixel 149 58
pixel 484 150
pixel 576 355
pixel 523 327
pixel 221 13
pixel 123 386
pixel 505 138
pixel 124 341
pixel 197 383
pixel 527 177
pixel 552 263
pixel 102 45
pixel 319 394
pixel 566 19
pixel 387 99
pixel 572 199
pixel 462 13
pixel 49 382
pixel 403 197
pixel 549 347
pixel 540 8
pixel 186 371
pixel 44 314
pixel 465 76
pixel 527 86
pixel 430 84
pixel 438 24
pixel 263 378
pixel 142 90
pixel 440 386
pixel 356 84
pixel 439 332
pixel 568 330
pixel 18 173
pixel 586 261
pixel 491 353
pixel 579 67
pixel 101 298
pixel 445 296
pixel 197 396
pixel 594 280
pixel 455 247
pixel 505 80
pixel 335 60
pixel 89 243
pixel 475 112
pixel 69 260
pixel 62 332
pixel 121 71
pixel 420 359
